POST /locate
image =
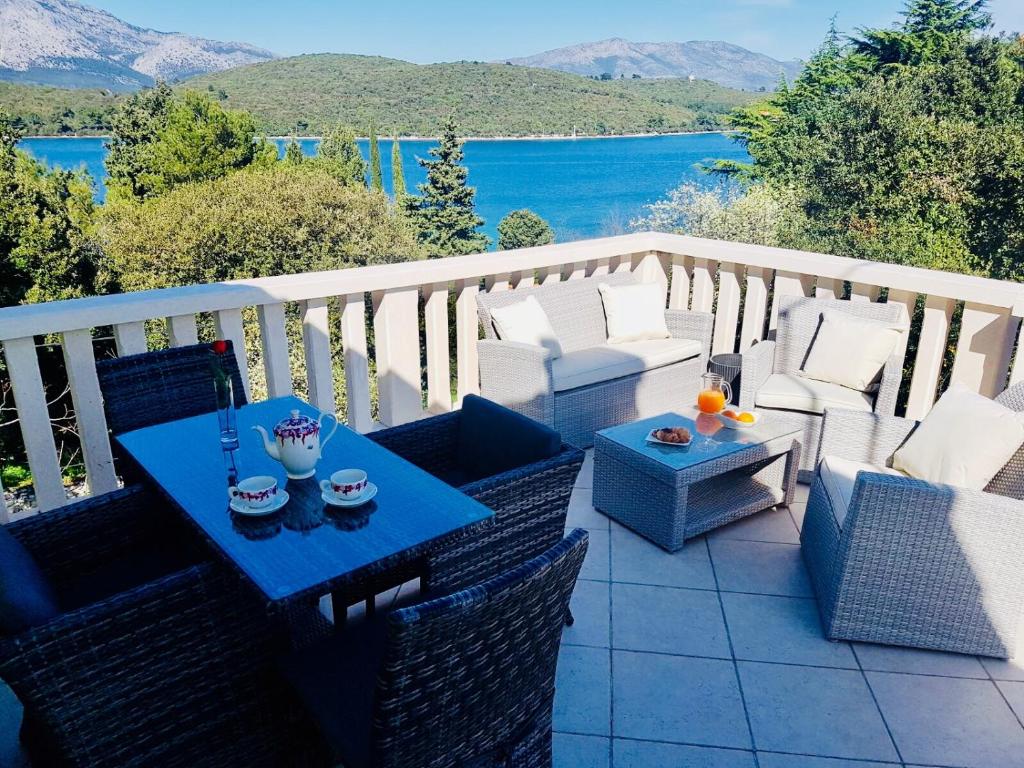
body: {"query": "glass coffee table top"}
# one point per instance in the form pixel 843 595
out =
pixel 711 438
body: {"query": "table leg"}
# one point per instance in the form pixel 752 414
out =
pixel 792 471
pixel 340 611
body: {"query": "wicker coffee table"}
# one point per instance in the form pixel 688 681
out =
pixel 670 494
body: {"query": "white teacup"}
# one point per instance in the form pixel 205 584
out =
pixel 255 492
pixel 346 484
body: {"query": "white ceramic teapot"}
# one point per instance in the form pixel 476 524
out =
pixel 297 443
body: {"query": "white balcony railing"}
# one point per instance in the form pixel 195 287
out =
pixel 735 281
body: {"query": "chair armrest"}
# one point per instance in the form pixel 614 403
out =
pixel 80 536
pixel 684 324
pixel 889 386
pixel 429 443
pixel 868 437
pixel 758 365
pixel 519 377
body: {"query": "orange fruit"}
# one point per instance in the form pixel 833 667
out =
pixel 729 414
pixel 746 418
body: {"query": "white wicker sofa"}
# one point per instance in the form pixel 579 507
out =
pixel 593 384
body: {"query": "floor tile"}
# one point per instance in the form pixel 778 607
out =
pixel 781 629
pixel 797 510
pixel 668 620
pixel 678 699
pixel 949 721
pixel 595 566
pixel 1014 693
pixel 585 479
pixel 574 751
pixel 583 691
pixel 647 754
pixel 590 611
pixel 1000 669
pixel 776 760
pixel 774 525
pixel 635 559
pixel 766 569
pixel 582 514
pixel 889 658
pixel 801 493
pixel 813 711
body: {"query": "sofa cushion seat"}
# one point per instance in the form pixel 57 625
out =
pixel 27 598
pixel 613 361
pixel 796 393
pixel 838 476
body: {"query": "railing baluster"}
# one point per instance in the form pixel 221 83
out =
pixel 467 331
pixel 34 420
pixel 755 306
pixel 863 292
pixel 228 325
pixel 828 288
pixel 984 348
pixel 499 282
pixel 788 284
pixel 703 285
pixel 130 338
pixel 274 338
pixel 576 271
pixel 80 361
pixel 649 269
pixel 526 279
pixel 623 263
pixel 728 311
pixel 551 275
pixel 679 296
pixel 601 267
pixel 439 367
pixel 397 345
pixel 316 344
pixel 181 330
pixel 357 364
pixel 931 348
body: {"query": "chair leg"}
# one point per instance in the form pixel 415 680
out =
pixel 569 620
pixel 371 606
pixel 339 609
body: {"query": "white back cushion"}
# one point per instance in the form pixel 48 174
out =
pixel 964 441
pixel 634 312
pixel 526 323
pixel 850 351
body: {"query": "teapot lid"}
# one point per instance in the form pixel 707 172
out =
pixel 296 425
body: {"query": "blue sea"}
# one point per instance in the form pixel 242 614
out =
pixel 583 187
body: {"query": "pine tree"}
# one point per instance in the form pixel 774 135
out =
pixel 293 153
pixel 444 213
pixel 929 31
pixel 397 171
pixel 339 155
pixel 376 176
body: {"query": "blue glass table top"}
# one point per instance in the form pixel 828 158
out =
pixel 306 544
pixel 711 439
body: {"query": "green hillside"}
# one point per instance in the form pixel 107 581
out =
pixel 44 110
pixel 305 94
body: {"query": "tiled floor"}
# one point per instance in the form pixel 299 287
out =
pixel 714 658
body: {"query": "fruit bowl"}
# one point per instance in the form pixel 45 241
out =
pixel 734 419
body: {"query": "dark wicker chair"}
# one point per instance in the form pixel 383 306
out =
pixel 529 502
pixel 156 387
pixel 463 680
pixel 160 672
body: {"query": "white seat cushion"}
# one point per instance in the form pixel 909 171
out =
pixel 850 351
pixel 634 312
pixel 613 361
pixel 796 393
pixel 838 477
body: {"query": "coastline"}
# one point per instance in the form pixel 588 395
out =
pixel 535 137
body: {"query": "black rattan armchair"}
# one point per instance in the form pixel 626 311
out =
pixel 463 680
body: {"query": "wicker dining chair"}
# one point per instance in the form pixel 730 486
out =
pixel 462 680
pixel 147 657
pixel 168 384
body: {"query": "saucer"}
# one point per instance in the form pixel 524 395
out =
pixel 242 509
pixel 334 501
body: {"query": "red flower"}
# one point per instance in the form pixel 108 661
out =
pixel 220 346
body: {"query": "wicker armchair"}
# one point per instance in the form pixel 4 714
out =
pixel 161 671
pixel 156 387
pixel 467 679
pixel 626 382
pixel 906 562
pixel 775 363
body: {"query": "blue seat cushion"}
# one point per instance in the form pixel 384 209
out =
pixel 493 439
pixel 336 680
pixel 27 598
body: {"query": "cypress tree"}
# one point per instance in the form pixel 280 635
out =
pixel 293 153
pixel 376 175
pixel 444 213
pixel 339 155
pixel 397 171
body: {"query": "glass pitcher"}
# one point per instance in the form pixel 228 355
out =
pixel 714 393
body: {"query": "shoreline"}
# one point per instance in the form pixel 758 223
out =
pixel 534 137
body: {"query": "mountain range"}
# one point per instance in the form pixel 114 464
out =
pixel 68 44
pixel 723 63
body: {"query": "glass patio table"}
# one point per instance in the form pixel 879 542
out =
pixel 672 493
pixel 307 548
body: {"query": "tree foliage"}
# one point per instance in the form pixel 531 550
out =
pixel 339 155
pixel 376 174
pixel 443 212
pixel 523 229
pixel 397 172
pixel 293 153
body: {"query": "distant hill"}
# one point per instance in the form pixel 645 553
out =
pixel 65 43
pixel 723 63
pixel 306 94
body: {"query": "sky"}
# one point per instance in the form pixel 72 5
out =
pixel 485 30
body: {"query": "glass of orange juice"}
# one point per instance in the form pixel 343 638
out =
pixel 714 393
